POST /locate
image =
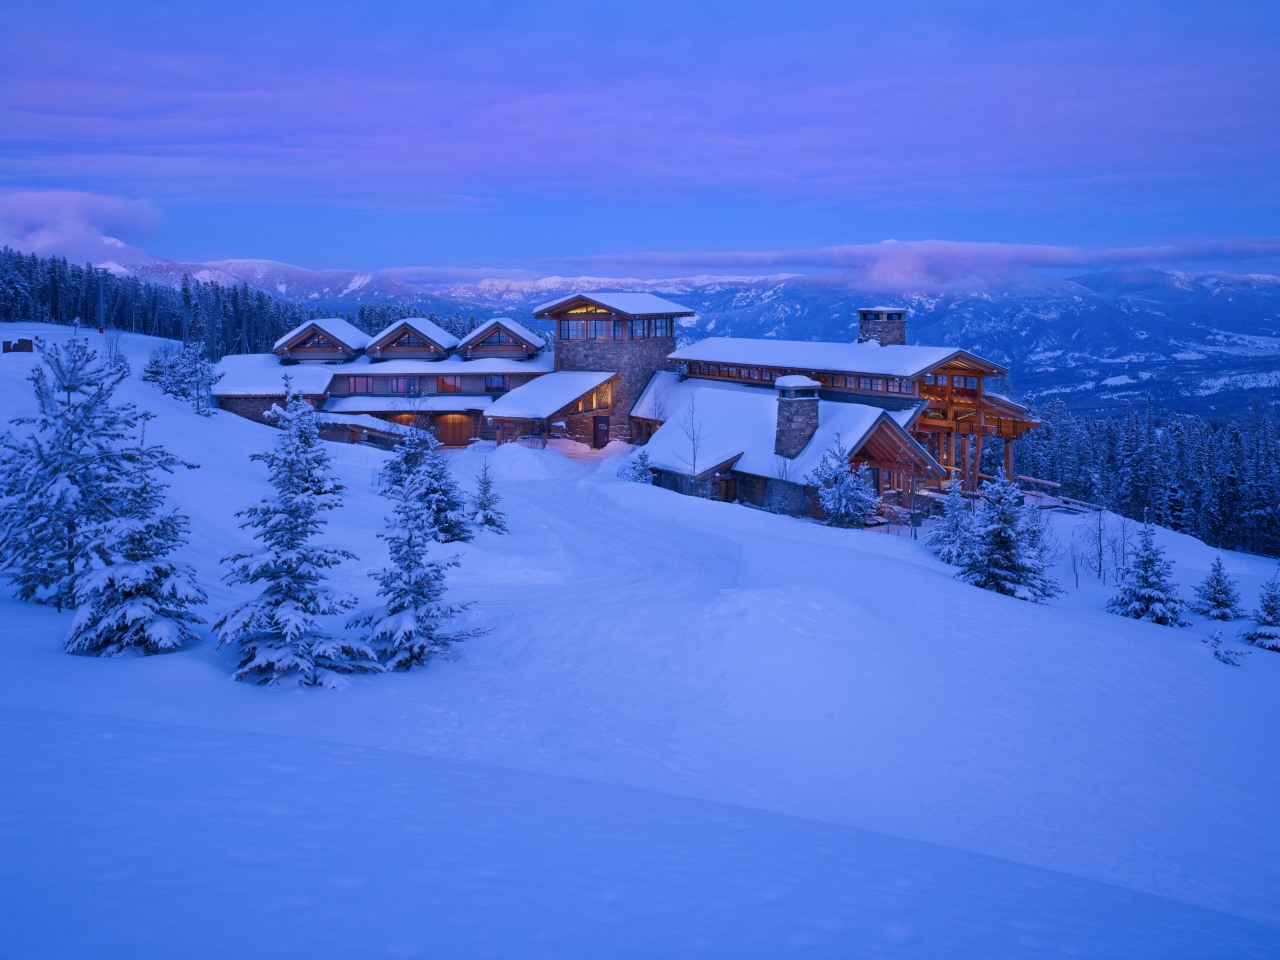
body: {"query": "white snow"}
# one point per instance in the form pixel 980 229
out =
pixel 357 282
pixel 539 399
pixel 631 304
pixel 894 360
pixel 262 375
pixel 743 424
pixel 423 327
pixel 511 326
pixel 694 729
pixel 796 381
pixel 335 328
pixel 404 404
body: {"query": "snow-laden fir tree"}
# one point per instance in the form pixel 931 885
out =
pixel 1147 590
pixel 637 469
pixel 420 452
pixel 194 371
pixel 846 494
pixel 63 479
pixel 278 632
pixel 1008 552
pixel 954 532
pixel 1265 629
pixel 409 627
pixel 1217 596
pixel 139 598
pixel 161 369
pixel 485 514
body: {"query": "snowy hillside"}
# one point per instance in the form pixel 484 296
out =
pixel 693 730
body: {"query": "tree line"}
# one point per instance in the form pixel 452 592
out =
pixel 1217 481
pixel 234 319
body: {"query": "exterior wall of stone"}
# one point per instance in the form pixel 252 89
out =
pixel 256 408
pixel 797 423
pixel 884 332
pixel 634 362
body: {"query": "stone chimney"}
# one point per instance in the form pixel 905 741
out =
pixel 887 326
pixel 797 414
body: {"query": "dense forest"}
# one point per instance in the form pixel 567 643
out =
pixel 1217 481
pixel 236 319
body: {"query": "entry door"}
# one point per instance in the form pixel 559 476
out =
pixel 453 429
pixel 600 436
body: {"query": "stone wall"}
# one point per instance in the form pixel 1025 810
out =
pixel 634 362
pixel 797 423
pixel 255 408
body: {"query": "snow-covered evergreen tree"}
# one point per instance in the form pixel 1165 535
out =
pixel 63 480
pixel 485 514
pixel 846 494
pixel 637 469
pixel 1147 590
pixel 1006 554
pixel 408 628
pixel 1217 596
pixel 161 369
pixel 954 532
pixel 1265 629
pixel 278 631
pixel 139 599
pixel 420 452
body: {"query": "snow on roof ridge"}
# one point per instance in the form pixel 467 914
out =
pixel 433 332
pixel 519 329
pixel 632 303
pixel 335 327
pixel 893 360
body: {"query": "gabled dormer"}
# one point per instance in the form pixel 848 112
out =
pixel 328 338
pixel 412 338
pixel 501 337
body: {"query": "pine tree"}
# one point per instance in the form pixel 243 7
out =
pixel 846 494
pixel 1147 590
pixel 63 482
pixel 954 533
pixel 485 514
pixel 278 632
pixel 1265 631
pixel 140 599
pixel 420 451
pixel 1007 552
pixel 1217 596
pixel 637 469
pixel 407 629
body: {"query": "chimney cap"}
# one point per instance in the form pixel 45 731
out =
pixel 796 381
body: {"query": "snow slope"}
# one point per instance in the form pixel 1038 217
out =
pixel 693 730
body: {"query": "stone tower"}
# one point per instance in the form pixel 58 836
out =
pixel 627 334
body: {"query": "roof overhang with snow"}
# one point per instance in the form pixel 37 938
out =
pixel 542 398
pixel 517 331
pixel 342 333
pixel 623 304
pixel 440 338
pixel 805 356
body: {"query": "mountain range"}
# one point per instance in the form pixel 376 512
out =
pixel 1206 343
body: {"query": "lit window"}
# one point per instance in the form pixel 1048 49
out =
pixel 448 384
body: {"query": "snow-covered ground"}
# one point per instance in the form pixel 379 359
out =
pixel 693 729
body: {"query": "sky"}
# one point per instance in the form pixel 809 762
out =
pixel 655 139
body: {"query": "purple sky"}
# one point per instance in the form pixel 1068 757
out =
pixel 650 139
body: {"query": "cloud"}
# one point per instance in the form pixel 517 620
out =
pixel 77 225
pixel 893 265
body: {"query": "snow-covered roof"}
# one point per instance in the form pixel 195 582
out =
pixel 742 425
pixel 436 403
pixel 796 381
pixel 511 326
pixel 335 328
pixel 667 392
pixel 539 399
pixel 882 310
pixel 895 360
pixel 366 422
pixel 544 362
pixel 423 327
pixel 632 304
pixel 262 375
